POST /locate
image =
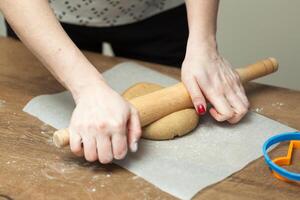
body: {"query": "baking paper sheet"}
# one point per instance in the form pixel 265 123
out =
pixel 182 166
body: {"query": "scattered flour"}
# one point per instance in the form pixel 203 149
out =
pixel 96 177
pixel 277 105
pixel 2 103
pixel 258 110
pixel 91 189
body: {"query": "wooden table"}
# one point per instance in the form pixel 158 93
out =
pixel 32 168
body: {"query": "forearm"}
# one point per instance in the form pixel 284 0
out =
pixel 36 25
pixel 202 20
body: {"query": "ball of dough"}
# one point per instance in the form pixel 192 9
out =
pixel 140 89
pixel 175 124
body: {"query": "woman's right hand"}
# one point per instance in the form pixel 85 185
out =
pixel 104 123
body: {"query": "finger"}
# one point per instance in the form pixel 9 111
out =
pixel 222 110
pixel 240 109
pixel 90 150
pixel 196 95
pixel 134 130
pixel 240 91
pixel 104 149
pixel 75 143
pixel 119 146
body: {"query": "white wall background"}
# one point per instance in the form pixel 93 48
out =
pixel 256 29
pixel 251 30
pixel 2 28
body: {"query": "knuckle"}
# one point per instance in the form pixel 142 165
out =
pixel 233 121
pixel 118 125
pixel 90 126
pixel 101 126
pixel 225 116
pixel 228 114
pixel 197 98
pixel 242 111
pixel 78 127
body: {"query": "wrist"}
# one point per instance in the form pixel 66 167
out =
pixel 201 51
pixel 88 89
pixel 84 81
pixel 201 45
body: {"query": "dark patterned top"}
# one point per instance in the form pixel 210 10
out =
pixel 101 13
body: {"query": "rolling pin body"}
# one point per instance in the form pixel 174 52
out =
pixel 160 103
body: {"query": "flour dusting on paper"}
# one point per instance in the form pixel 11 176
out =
pixel 182 166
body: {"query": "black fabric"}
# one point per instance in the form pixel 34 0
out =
pixel 159 39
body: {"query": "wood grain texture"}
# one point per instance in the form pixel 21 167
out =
pixel 32 168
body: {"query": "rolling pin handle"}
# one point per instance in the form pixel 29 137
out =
pixel 275 63
pixel 61 138
pixel 259 69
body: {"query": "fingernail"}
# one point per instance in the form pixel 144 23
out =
pixel 201 109
pixel 134 147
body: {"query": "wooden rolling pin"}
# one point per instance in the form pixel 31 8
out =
pixel 158 104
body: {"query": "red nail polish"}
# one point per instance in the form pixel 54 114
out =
pixel 201 109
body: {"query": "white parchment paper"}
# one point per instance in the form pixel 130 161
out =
pixel 182 166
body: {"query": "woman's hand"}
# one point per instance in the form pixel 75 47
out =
pixel 204 72
pixel 207 75
pixel 104 123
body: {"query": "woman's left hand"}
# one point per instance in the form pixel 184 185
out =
pixel 207 75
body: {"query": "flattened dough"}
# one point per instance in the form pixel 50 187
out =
pixel 175 124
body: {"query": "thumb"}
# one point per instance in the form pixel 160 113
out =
pixel 197 97
pixel 134 129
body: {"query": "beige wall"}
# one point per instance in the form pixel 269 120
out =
pixel 2 29
pixel 252 30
